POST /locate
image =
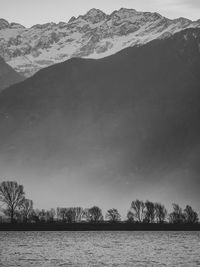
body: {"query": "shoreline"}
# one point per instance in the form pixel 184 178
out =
pixel 56 226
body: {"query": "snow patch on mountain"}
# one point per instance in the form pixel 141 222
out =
pixel 93 35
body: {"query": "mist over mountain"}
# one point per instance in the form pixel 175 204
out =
pixel 8 76
pixel 93 35
pixel 108 130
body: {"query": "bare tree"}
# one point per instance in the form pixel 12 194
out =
pixel 130 216
pixel 177 216
pixel 160 213
pixel 79 213
pixel 61 214
pixel 42 215
pixel 70 215
pixel 50 215
pixel 74 214
pixel 95 214
pixel 34 216
pixel 190 215
pixel 27 209
pixel 113 215
pixel 138 209
pixel 150 212
pixel 12 195
pixel 86 214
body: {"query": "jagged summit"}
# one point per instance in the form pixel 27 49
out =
pixel 94 16
pixel 14 25
pixel 93 34
pixel 4 24
pixel 95 12
pixel 124 12
pixel 72 19
pixel 184 20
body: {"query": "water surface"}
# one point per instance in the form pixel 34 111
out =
pixel 99 249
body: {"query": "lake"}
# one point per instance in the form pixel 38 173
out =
pixel 99 249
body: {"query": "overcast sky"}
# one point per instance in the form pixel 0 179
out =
pixel 30 12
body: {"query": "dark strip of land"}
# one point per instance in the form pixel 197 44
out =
pixel 97 227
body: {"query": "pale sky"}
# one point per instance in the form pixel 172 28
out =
pixel 30 12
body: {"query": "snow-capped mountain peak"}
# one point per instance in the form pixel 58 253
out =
pixel 94 34
pixel 94 16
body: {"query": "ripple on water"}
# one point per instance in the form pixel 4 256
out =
pixel 48 249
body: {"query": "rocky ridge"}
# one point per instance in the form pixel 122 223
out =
pixel 93 35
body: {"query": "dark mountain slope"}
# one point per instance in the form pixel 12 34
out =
pixel 131 119
pixel 8 76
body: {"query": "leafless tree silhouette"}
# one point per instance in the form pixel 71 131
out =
pixel 138 210
pixel 149 212
pixel 191 216
pixel 95 214
pixel 27 209
pixel 160 213
pixel 113 215
pixel 12 195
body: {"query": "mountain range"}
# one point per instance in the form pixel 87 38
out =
pixel 93 35
pixel 98 126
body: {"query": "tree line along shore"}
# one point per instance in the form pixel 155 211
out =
pixel 17 210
